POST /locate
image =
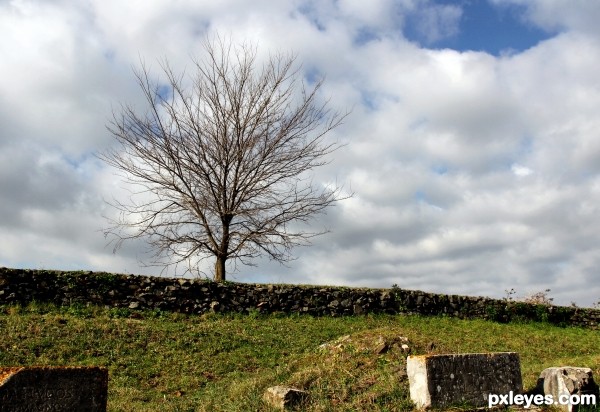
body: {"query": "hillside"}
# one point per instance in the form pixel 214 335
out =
pixel 175 362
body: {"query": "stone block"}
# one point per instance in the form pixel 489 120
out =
pixel 56 389
pixel 566 381
pixel 440 381
pixel 284 398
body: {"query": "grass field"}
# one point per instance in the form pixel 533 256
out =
pixel 172 362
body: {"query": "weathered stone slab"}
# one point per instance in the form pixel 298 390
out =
pixel 283 397
pixel 565 381
pixel 53 389
pixel 462 379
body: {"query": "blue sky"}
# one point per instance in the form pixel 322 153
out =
pixel 472 146
pixel 488 27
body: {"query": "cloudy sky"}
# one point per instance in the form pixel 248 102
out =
pixel 473 145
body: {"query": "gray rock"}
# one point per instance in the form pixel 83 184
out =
pixel 284 398
pixel 358 309
pixel 567 381
pixel 381 346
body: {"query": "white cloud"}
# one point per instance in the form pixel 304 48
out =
pixel 437 22
pixel 568 15
pixel 521 171
pixel 472 173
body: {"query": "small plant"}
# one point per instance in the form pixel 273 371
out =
pixel 492 313
pixel 539 298
pixel 107 281
pixel 254 314
pixel 509 295
pixel 541 312
pixel 78 309
pixel 156 314
pixel 117 313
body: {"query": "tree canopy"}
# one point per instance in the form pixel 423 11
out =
pixel 222 159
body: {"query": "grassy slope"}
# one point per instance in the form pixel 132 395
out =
pixel 171 362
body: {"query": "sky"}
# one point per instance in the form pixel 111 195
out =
pixel 472 146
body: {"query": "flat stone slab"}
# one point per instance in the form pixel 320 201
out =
pixel 439 381
pixel 53 389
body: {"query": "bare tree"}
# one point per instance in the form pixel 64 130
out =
pixel 223 164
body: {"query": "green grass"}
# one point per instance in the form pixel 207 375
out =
pixel 171 362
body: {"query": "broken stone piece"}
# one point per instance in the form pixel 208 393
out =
pixel 381 346
pixel 567 381
pixel 283 397
pixel 215 306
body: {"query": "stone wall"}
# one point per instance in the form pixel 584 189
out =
pixel 134 292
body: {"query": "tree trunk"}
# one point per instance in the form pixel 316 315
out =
pixel 220 269
pixel 223 249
